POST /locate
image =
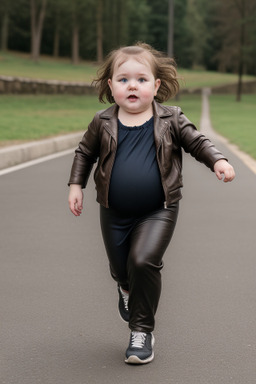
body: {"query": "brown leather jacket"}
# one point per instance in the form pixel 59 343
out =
pixel 173 131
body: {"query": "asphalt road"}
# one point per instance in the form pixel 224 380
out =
pixel 58 320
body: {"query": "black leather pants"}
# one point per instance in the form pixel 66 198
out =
pixel 135 247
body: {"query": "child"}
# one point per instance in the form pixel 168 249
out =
pixel 137 146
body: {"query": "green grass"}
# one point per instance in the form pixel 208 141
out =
pixel 35 117
pixel 236 121
pixel 26 118
pixel 201 78
pixel 19 64
pixel 191 106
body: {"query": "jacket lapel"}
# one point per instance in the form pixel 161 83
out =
pixel 110 123
pixel 162 116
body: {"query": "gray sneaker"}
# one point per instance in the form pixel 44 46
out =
pixel 123 304
pixel 140 350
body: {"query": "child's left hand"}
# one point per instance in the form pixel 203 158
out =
pixel 222 167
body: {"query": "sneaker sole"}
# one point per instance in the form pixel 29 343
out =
pixel 133 359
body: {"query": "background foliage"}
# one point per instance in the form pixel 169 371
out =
pixel 209 34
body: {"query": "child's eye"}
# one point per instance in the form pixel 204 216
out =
pixel 142 79
pixel 123 80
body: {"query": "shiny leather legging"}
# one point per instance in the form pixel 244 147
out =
pixel 135 247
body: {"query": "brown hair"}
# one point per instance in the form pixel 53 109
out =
pixel 163 68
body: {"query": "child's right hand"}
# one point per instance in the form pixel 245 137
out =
pixel 75 199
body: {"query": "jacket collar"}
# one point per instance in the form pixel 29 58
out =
pixel 110 112
pixel 159 110
pixel 161 113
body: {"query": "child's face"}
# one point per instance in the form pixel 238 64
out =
pixel 133 84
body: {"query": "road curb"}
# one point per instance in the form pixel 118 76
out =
pixel 17 154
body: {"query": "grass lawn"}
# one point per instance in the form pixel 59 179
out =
pixel 235 120
pixel 26 117
pixel 201 78
pixel 19 64
pixel 191 106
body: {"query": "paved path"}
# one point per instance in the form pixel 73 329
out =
pixel 207 129
pixel 58 318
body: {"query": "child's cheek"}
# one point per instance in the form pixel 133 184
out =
pixel 147 93
pixel 118 95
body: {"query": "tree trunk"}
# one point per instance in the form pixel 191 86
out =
pixel 56 43
pixel 241 55
pixel 4 31
pixel 170 28
pixel 75 45
pixel 56 37
pixel 99 32
pixel 37 20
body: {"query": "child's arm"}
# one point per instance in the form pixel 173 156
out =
pixel 222 167
pixel 75 199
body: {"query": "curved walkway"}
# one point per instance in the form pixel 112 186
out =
pixel 206 128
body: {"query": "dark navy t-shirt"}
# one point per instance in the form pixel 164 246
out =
pixel 135 185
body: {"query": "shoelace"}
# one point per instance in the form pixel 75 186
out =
pixel 138 339
pixel 125 297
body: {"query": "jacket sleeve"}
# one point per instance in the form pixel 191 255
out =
pixel 86 154
pixel 195 143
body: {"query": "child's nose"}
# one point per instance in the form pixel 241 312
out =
pixel 132 84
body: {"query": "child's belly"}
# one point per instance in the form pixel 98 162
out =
pixel 137 190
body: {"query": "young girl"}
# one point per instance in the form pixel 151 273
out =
pixel 137 145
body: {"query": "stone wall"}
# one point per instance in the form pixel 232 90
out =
pixel 18 85
pixel 247 87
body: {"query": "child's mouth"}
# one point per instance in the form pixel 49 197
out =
pixel 132 97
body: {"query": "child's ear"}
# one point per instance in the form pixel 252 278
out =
pixel 110 84
pixel 157 85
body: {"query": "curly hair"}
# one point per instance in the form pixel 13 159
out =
pixel 163 68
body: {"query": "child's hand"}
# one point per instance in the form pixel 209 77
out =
pixel 222 167
pixel 75 199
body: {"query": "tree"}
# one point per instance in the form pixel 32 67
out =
pixel 213 39
pixel 57 8
pixel 135 20
pixel 197 16
pixel 170 28
pixel 116 23
pixel 237 24
pixel 82 22
pixel 158 27
pixel 37 12
pixel 5 9
pixel 75 33
pixel 157 21
pixel 182 35
pixel 99 31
